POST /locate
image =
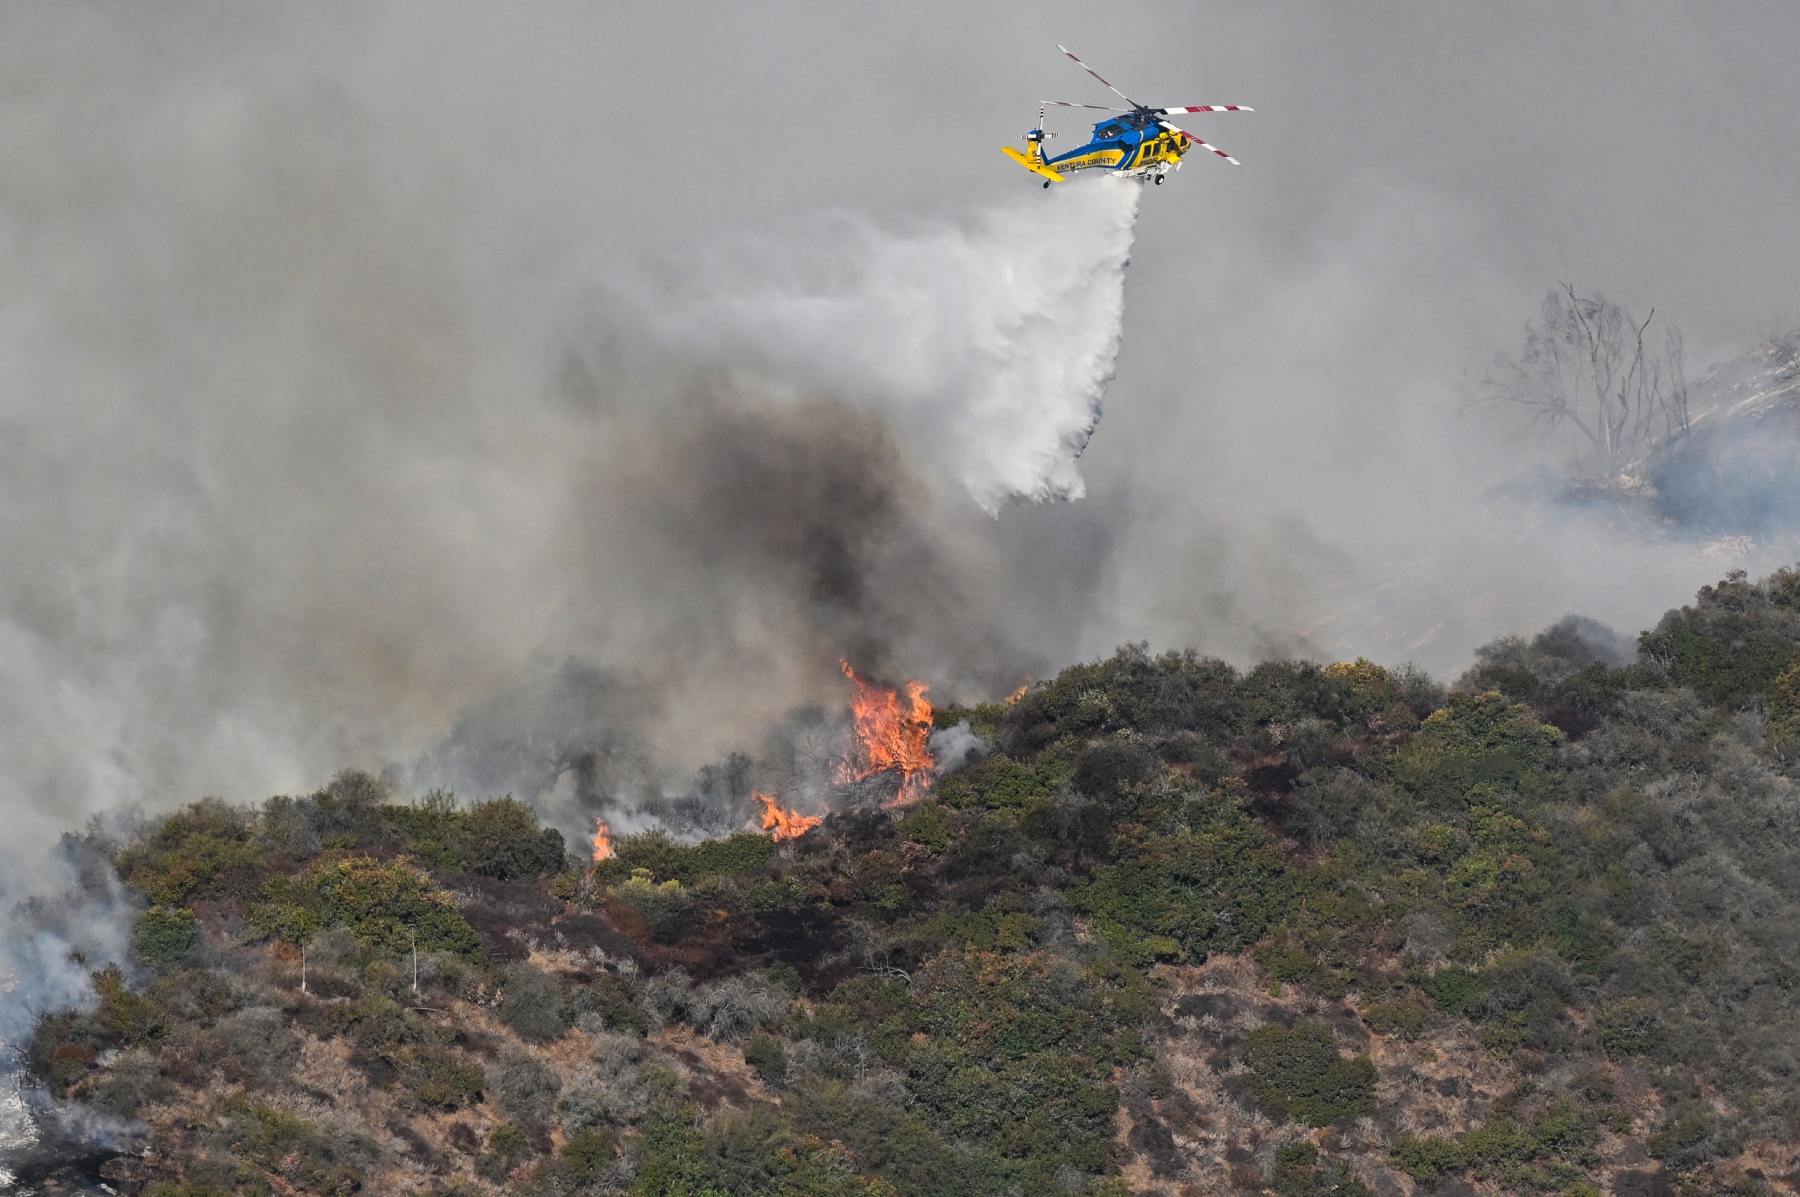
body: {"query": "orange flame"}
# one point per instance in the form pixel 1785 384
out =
pixel 784 824
pixel 892 730
pixel 1016 695
pixel 603 837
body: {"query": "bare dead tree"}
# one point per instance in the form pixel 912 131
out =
pixel 1586 374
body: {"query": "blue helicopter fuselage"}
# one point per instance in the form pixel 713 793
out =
pixel 1128 142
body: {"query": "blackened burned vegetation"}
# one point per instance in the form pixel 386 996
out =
pixel 1183 929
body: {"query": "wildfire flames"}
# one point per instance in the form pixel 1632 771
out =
pixel 784 824
pixel 892 730
pixel 603 837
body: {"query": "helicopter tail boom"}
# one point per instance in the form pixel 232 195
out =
pixel 1036 167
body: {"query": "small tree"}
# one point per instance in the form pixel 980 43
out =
pixel 1586 375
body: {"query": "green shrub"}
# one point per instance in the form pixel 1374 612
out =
pixel 1286 963
pixel 658 853
pixel 606 1005
pixel 383 905
pixel 767 1057
pixel 436 1078
pixel 1629 1027
pixel 166 938
pixel 525 1088
pixel 925 824
pixel 507 1148
pixel 1477 740
pixel 1426 1159
pixel 1402 1016
pixel 588 1152
pixel 501 838
pixel 128 1016
pixel 1732 643
pixel 203 851
pixel 1218 886
pixel 300 1152
pixel 996 781
pixel 1454 989
pixel 1539 1154
pixel 1299 1070
pixel 532 1005
pixel 1693 1139
pixel 1297 1173
pixel 663 906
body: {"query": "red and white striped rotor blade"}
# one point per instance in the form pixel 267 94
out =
pixel 1206 108
pixel 1203 145
pixel 1096 74
pixel 1070 104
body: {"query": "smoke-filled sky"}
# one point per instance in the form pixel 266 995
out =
pixel 362 364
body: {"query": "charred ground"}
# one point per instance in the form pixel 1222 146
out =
pixel 1184 929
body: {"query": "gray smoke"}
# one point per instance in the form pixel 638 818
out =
pixel 545 396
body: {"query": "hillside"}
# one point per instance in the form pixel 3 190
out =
pixel 1182 930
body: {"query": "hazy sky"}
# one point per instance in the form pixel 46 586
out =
pixel 292 468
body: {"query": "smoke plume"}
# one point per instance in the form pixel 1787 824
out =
pixel 545 396
pixel 987 343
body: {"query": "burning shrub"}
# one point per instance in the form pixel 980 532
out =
pixel 893 735
pixel 532 1005
pixel 1298 1070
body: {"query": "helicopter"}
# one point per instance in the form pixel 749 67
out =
pixel 1139 142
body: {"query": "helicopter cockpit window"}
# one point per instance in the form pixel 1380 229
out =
pixel 1109 132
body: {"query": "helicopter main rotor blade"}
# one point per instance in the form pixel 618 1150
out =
pixel 1206 108
pixel 1096 74
pixel 1070 104
pixel 1203 145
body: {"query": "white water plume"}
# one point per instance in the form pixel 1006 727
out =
pixel 988 344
